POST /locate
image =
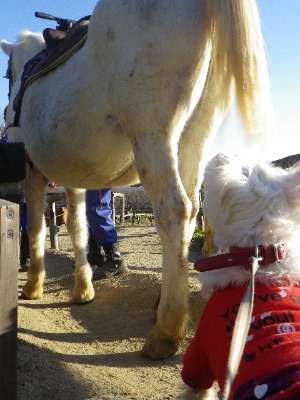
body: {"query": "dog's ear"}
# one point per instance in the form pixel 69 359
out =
pixel 276 183
pixel 223 177
pixel 218 161
pixel 222 169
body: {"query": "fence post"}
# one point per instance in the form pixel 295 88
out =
pixel 56 194
pixel 9 261
pixel 113 208
pixel 122 197
pixel 53 226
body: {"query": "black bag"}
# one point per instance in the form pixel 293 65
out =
pixel 12 162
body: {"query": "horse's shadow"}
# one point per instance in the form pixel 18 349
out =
pixel 44 374
pixel 36 380
pixel 122 307
pixel 121 312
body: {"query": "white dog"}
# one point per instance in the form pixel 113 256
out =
pixel 254 211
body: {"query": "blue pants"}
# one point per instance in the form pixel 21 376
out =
pixel 99 216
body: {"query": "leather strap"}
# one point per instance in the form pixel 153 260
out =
pixel 240 331
pixel 242 256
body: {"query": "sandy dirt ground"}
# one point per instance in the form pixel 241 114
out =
pixel 92 351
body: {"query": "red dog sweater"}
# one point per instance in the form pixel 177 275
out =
pixel 270 365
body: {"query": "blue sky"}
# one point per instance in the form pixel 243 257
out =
pixel 281 30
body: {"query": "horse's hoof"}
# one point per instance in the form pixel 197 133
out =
pixel 31 294
pixel 158 348
pixel 84 297
pixel 81 301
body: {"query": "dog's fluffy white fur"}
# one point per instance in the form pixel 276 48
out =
pixel 247 206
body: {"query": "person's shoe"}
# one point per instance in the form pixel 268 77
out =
pixel 113 254
pixel 114 263
pixel 96 258
pixel 24 252
pixel 95 255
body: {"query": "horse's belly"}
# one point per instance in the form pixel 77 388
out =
pixel 90 158
pixel 85 172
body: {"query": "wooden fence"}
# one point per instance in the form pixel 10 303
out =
pixel 9 265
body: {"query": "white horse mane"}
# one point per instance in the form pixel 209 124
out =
pixel 252 205
pixel 28 44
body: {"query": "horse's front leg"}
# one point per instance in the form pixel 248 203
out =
pixel 77 228
pixel 172 210
pixel 35 184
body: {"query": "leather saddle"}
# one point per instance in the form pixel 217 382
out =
pixel 60 45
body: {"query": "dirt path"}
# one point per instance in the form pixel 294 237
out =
pixel 85 352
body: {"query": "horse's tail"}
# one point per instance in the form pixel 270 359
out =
pixel 238 52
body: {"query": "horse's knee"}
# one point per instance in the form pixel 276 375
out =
pixel 169 212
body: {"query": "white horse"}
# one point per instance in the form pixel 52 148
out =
pixel 140 101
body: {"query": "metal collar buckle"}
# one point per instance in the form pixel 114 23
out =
pixel 256 254
pixel 275 247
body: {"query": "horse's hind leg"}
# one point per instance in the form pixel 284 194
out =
pixel 34 192
pixel 77 228
pixel 172 211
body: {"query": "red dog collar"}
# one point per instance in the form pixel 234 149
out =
pixel 242 255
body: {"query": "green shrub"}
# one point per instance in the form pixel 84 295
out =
pixel 198 236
